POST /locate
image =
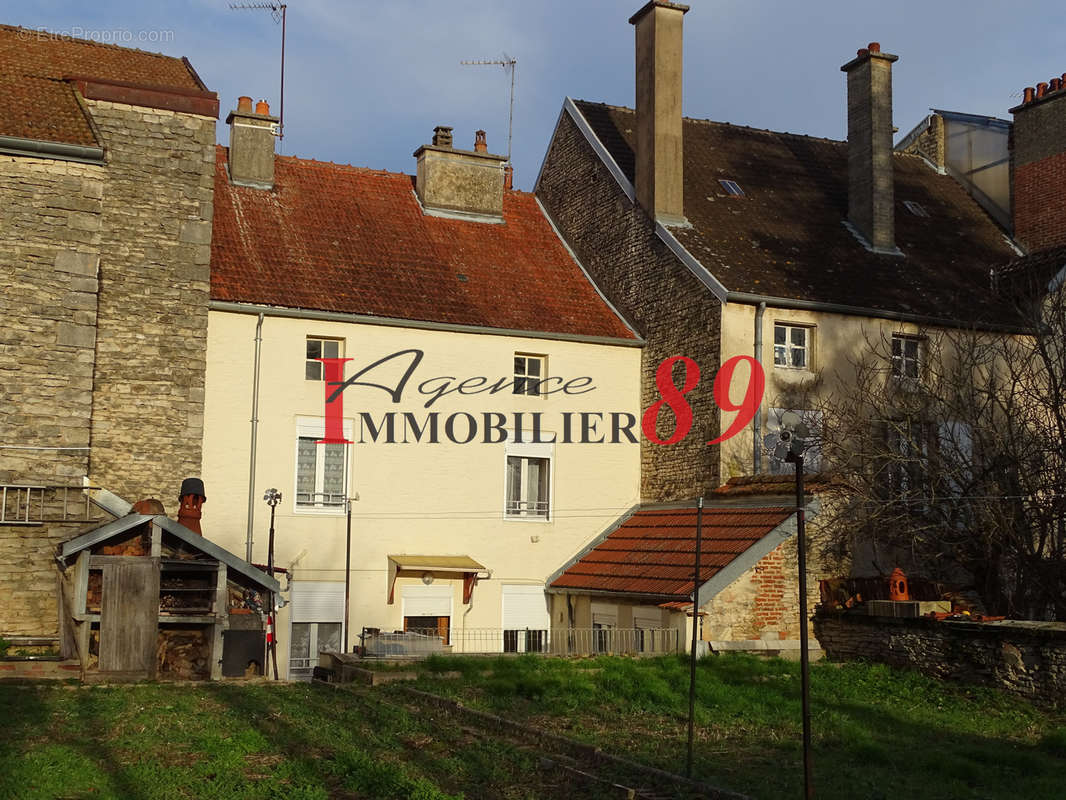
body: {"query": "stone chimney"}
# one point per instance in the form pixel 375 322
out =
pixel 460 183
pixel 871 209
pixel 660 171
pixel 251 144
pixel 1038 157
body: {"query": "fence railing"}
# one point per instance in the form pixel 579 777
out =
pixel 422 642
pixel 37 505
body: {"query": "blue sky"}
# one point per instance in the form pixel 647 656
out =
pixel 366 81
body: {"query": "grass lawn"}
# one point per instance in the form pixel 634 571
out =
pixel 878 733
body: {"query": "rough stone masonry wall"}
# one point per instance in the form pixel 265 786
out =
pixel 1026 658
pixel 616 243
pixel 105 288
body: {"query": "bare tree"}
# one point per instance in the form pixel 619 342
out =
pixel 950 445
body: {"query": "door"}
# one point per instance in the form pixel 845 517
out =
pixel 129 617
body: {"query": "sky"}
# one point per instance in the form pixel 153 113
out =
pixel 366 81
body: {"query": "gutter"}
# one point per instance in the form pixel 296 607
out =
pixel 15 146
pixel 756 423
pixel 394 322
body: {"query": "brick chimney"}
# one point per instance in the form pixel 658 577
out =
pixel 1039 159
pixel 460 183
pixel 659 156
pixel 191 499
pixel 251 144
pixel 871 209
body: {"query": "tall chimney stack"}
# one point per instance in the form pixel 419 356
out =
pixel 251 144
pixel 660 172
pixel 871 209
pixel 1038 157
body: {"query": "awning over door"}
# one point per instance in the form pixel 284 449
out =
pixel 446 567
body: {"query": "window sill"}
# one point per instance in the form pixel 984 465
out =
pixel 520 518
pixel 316 511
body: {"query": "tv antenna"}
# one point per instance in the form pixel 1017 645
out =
pixel 509 64
pixel 277 11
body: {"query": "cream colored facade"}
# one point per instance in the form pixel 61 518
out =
pixel 837 342
pixel 415 498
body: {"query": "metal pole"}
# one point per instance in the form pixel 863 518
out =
pixel 347 573
pixel 270 572
pixel 255 429
pixel 695 622
pixel 805 667
pixel 281 115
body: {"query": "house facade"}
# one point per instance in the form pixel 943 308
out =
pixel 106 186
pixel 490 422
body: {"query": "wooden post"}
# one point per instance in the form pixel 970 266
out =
pixel 221 622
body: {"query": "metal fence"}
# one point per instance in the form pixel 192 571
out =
pixel 422 642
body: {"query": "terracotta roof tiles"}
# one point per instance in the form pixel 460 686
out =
pixel 331 237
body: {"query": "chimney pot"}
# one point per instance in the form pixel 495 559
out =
pixel 262 108
pixel 1055 84
pixel 508 177
pixel 480 145
pixel 442 136
pixel 1063 78
pixel 1028 95
pixel 244 103
pixel 874 47
pixel 1041 89
pixel 862 51
pixel 190 501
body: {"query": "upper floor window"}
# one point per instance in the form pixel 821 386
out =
pixel 528 482
pixel 321 348
pixel 792 346
pixel 321 469
pixel 529 372
pixel 906 356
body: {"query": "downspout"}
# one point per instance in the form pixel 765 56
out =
pixel 255 430
pixel 756 423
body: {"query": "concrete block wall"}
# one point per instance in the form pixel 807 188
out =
pixel 616 243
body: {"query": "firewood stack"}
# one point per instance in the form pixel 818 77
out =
pixel 182 654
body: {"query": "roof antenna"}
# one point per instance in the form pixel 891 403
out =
pixel 508 64
pixel 277 11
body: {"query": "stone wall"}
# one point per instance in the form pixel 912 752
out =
pixel 930 143
pixel 1026 658
pixel 105 273
pixel 616 243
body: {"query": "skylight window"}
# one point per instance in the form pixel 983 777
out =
pixel 732 187
pixel 916 208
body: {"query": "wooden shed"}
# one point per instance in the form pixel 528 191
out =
pixel 145 597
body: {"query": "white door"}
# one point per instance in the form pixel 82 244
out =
pixel 525 619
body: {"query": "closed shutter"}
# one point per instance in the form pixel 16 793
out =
pixel 525 607
pixel 427 601
pixel 317 601
pixel 647 617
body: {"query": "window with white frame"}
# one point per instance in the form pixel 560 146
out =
pixel 906 356
pixel 792 346
pixel 529 373
pixel 321 348
pixel 321 469
pixel 528 480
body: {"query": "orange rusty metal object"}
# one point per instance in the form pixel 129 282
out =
pixel 192 499
pixel 897 586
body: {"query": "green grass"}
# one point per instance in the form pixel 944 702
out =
pixel 878 732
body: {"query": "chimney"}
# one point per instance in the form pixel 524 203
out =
pixel 251 144
pixel 871 209
pixel 460 183
pixel 1038 157
pixel 659 173
pixel 191 499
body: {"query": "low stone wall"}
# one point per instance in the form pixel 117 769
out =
pixel 1026 658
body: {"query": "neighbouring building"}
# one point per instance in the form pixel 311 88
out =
pixel 106 185
pixel 717 240
pixel 492 418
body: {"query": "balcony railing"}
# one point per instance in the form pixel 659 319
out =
pixel 527 508
pixel 38 505
pixel 419 643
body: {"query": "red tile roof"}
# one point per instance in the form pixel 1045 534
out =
pixel 37 103
pixel 785 237
pixel 775 485
pixel 652 552
pixel 332 237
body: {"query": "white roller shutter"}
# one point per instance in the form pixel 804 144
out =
pixel 647 617
pixel 427 601
pixel 525 607
pixel 317 601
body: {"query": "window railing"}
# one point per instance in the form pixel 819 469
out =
pixel 320 499
pixel 527 508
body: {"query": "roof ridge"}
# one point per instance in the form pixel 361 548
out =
pixel 63 37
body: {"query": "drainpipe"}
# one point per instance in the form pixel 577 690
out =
pixel 756 423
pixel 255 430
